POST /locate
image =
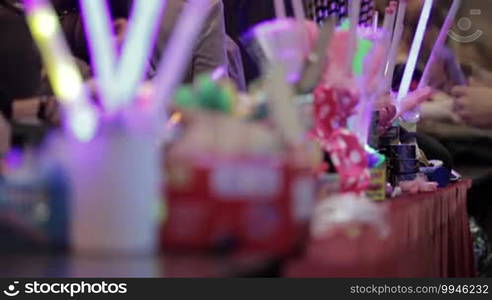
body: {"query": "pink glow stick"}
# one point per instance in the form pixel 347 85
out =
pixel 280 11
pixel 172 68
pixel 414 51
pixel 395 44
pixel 441 40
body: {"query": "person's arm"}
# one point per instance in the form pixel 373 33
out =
pixel 45 108
pixel 210 51
pixel 474 105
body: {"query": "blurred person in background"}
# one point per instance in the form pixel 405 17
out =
pixel 26 99
pixel 213 49
pixel 471 37
pixel 459 114
pixel 24 88
pixel 20 68
pixel 462 117
pixel 473 105
pixel 443 74
pixel 240 16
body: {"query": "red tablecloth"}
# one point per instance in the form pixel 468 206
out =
pixel 429 237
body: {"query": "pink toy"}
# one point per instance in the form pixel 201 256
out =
pixel 419 185
pixel 332 108
pixel 350 160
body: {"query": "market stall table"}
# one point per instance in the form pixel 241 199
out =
pixel 429 237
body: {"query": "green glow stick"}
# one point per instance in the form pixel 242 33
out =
pixel 363 48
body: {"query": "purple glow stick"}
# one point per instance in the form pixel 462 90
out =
pixel 138 47
pixel 441 40
pixel 299 10
pixel 365 110
pixel 387 32
pixel 389 21
pixel 219 73
pixel 101 43
pixel 414 51
pixel 395 44
pixel 300 15
pixel 119 78
pixel 280 11
pixel 172 68
pixel 354 15
pixel 414 115
pixel 375 21
pixel 355 7
pixel 393 6
pixel 386 21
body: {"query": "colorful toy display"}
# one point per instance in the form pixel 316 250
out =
pixel 204 166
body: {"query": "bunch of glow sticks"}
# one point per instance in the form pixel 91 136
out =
pixel 392 30
pixel 414 115
pixel 414 52
pixel 119 76
pixel 118 79
pixel 63 73
pixel 366 66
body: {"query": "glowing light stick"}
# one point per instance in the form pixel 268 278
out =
pixel 414 115
pixel 414 51
pixel 362 69
pixel 119 79
pixel 280 11
pixel 389 20
pixel 299 10
pixel 354 24
pixel 284 113
pixel 219 73
pixel 363 48
pixel 300 15
pixel 172 68
pixel 375 21
pixel 62 71
pixel 354 14
pixel 139 43
pixel 395 44
pixel 441 40
pixel 102 45
pixel 387 33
